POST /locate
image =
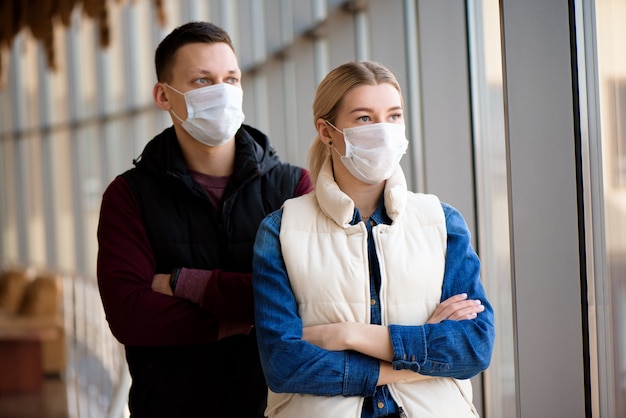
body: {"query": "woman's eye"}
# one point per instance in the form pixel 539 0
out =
pixel 396 116
pixel 202 81
pixel 363 118
pixel 232 80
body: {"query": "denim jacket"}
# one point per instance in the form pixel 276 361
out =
pixel 295 366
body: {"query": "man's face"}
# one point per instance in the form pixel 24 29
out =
pixel 199 65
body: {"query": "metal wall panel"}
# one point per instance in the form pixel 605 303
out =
pixel 541 142
pixel 303 55
pixel 442 33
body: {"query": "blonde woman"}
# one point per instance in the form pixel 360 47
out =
pixel 368 299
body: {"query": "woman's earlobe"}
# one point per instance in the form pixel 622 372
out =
pixel 326 138
pixel 324 133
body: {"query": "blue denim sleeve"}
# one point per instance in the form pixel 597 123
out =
pixel 459 349
pixel 290 364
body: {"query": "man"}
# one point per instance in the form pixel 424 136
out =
pixel 176 235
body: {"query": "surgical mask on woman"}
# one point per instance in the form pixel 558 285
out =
pixel 373 151
pixel 214 113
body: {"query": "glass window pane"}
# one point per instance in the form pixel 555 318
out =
pixel 491 187
pixel 611 32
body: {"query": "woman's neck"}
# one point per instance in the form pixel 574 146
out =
pixel 365 196
pixel 366 201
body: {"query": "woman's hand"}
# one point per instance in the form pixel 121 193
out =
pixel 373 340
pixel 456 308
pixel 389 375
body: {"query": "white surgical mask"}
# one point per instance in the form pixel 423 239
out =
pixel 373 151
pixel 214 113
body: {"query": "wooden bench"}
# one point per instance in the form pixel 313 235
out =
pixel 32 337
pixel 22 342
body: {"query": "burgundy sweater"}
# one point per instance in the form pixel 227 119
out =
pixel 155 318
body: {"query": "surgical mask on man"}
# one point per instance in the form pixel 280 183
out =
pixel 373 151
pixel 214 113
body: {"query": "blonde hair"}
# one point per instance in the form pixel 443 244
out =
pixel 330 94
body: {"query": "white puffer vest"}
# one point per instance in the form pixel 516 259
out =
pixel 327 262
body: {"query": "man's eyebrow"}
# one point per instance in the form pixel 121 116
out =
pixel 209 72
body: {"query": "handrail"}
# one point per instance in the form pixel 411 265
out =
pixel 97 376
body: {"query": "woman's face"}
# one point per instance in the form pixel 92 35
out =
pixel 364 105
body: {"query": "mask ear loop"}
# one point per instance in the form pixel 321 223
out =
pixel 182 94
pixel 176 116
pixel 330 143
pixel 333 126
pixel 177 91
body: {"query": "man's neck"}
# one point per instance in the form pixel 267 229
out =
pixel 213 161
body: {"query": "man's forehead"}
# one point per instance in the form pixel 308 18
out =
pixel 206 58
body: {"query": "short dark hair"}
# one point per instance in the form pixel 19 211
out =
pixel 188 33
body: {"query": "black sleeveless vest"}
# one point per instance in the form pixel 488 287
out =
pixel 184 228
pixel 222 379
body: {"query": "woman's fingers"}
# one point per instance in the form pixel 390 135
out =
pixel 456 308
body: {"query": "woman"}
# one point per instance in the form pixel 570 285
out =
pixel 368 300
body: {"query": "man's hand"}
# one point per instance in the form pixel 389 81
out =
pixel 161 284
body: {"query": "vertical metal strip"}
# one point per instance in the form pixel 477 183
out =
pixel 320 45
pixel 21 170
pixel 599 293
pixel 413 96
pixel 361 34
pixel 75 114
pixel 47 170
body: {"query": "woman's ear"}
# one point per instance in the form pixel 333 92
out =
pixel 323 130
pixel 160 98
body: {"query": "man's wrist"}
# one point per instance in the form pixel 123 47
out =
pixel 174 279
